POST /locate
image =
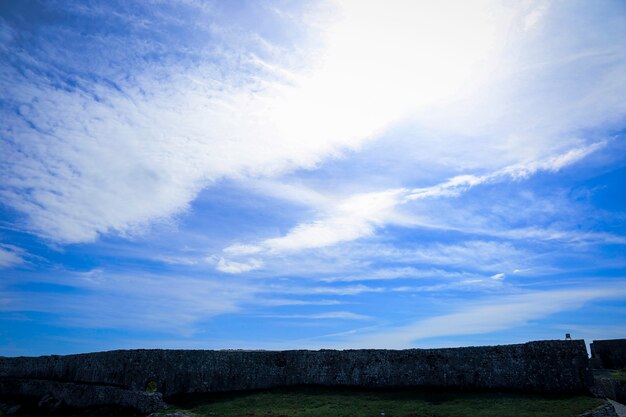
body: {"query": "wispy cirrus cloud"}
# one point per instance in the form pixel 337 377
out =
pixel 485 316
pixel 101 299
pixel 332 315
pixel 402 272
pixel 167 303
pixel 10 256
pixel 462 183
pixel 475 254
pixel 360 215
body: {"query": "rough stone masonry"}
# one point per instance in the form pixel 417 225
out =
pixel 609 354
pixel 542 366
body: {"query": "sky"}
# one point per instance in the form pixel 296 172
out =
pixel 279 174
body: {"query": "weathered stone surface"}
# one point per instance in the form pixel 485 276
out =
pixel 606 410
pixel 610 388
pixel 620 409
pixel 54 395
pixel 611 354
pixel 544 366
pixel 9 409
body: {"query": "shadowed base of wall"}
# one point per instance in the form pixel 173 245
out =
pixel 55 394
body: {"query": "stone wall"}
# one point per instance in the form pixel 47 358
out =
pixel 544 366
pixel 610 354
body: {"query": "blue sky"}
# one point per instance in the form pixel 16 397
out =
pixel 329 174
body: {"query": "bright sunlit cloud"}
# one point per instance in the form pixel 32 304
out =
pixel 184 126
pixel 384 63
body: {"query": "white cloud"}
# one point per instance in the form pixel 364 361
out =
pixel 360 215
pixel 462 183
pixel 485 316
pixel 560 235
pixel 242 249
pixel 10 256
pixel 232 267
pixel 141 152
pixel 173 304
pixel 399 273
pixel 535 15
pixel 334 290
pixel 471 284
pixel 101 299
pixel 478 255
pixel 80 167
pixel 273 302
pixel 351 219
pixel 331 315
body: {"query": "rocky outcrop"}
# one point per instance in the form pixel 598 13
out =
pixel 56 394
pixel 610 388
pixel 606 410
pixel 125 375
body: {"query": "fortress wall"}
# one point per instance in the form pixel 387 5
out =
pixel 543 366
pixel 611 354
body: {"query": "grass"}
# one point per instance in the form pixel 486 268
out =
pixel 326 402
pixel 619 375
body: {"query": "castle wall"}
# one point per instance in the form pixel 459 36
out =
pixel 610 354
pixel 543 366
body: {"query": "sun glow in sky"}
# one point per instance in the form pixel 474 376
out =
pixel 327 174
